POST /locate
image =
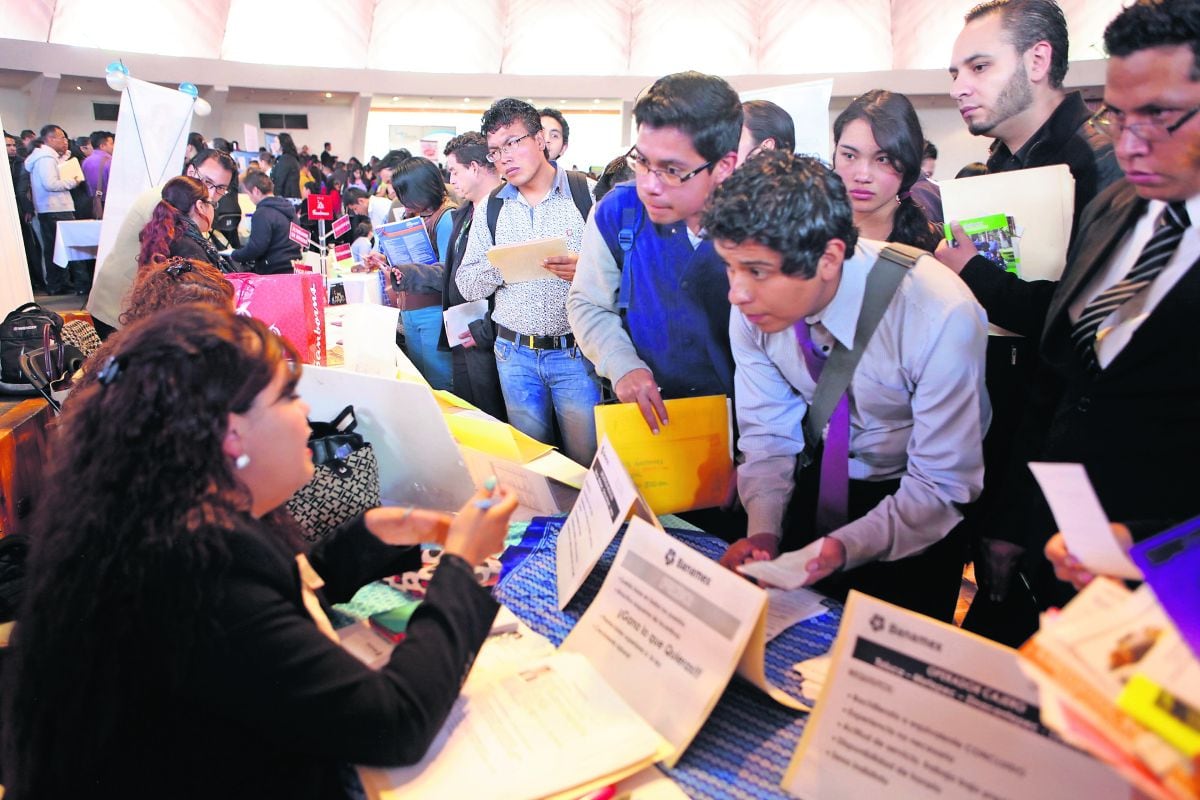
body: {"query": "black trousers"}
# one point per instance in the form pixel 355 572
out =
pixel 927 582
pixel 56 276
pixel 476 380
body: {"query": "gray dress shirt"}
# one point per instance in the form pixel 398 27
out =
pixel 918 408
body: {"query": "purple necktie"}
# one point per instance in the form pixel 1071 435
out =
pixel 834 493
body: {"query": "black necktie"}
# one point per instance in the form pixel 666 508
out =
pixel 1154 257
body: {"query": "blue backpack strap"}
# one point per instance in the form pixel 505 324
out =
pixel 625 242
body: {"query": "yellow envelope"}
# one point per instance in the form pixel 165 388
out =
pixel 447 400
pixel 496 438
pixel 688 465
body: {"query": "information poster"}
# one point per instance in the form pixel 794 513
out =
pixel 916 708
pixel 604 503
pixel 667 630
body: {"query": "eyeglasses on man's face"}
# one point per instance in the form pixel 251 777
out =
pixel 1158 125
pixel 669 176
pixel 496 153
pixel 215 190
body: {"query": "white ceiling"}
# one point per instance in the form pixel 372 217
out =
pixel 532 37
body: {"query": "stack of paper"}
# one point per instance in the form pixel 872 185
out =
pixel 523 261
pixel 1117 680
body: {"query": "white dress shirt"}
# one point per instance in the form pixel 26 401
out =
pixel 918 408
pixel 1118 328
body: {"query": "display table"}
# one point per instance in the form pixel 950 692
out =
pixel 77 240
pixel 747 742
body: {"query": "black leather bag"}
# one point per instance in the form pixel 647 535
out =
pixel 345 482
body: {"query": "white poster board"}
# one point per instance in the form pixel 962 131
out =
pixel 419 463
pixel 15 288
pixel 151 139
pixel 808 103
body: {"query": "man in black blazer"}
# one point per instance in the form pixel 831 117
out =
pixel 1129 407
pixel 474 362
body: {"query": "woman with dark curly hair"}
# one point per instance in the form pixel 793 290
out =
pixel 178 225
pixel 878 147
pixel 176 281
pixel 174 639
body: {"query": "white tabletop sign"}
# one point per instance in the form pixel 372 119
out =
pixel 916 708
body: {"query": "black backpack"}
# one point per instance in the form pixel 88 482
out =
pixel 24 329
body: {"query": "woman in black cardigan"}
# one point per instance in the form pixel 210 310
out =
pixel 179 224
pixel 173 642
pixel 285 175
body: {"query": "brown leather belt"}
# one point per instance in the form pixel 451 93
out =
pixel 563 342
pixel 411 301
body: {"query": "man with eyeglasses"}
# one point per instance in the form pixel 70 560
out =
pixel 116 274
pixel 1007 71
pixel 650 300
pixel 1118 329
pixel 550 389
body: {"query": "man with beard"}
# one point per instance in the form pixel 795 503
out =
pixel 1007 69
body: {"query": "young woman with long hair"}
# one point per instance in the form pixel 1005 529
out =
pixel 878 147
pixel 178 225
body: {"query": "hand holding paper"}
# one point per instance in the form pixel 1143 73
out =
pixel 790 570
pixel 1085 528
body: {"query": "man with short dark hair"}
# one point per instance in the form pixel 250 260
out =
pixel 550 388
pixel 328 159
pixel 654 317
pixel 1117 331
pixel 557 132
pixel 52 199
pixel 1007 69
pixel 270 249
pixel 96 166
pixel 765 126
pixel 912 421
pixel 117 273
pixel 474 178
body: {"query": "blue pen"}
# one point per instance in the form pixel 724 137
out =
pixel 485 504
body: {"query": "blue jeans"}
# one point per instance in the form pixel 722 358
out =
pixel 421 330
pixel 542 387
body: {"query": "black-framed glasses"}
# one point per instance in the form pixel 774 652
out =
pixel 215 189
pixel 671 176
pixel 1112 123
pixel 495 153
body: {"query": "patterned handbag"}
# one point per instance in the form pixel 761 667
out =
pixel 345 481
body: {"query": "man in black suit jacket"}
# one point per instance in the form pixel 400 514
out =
pixel 474 363
pixel 1129 408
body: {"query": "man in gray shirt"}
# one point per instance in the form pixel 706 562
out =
pixel 916 410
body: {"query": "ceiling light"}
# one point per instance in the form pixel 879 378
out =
pixel 596 101
pixel 79 88
pixel 466 99
pixel 395 99
pixel 328 95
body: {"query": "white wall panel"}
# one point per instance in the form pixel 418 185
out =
pixel 716 36
pixel 818 36
pixel 455 36
pixel 550 37
pixel 1087 20
pixel 187 28
pixel 27 19
pixel 312 33
pixel 923 33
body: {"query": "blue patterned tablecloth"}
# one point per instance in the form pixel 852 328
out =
pixel 748 740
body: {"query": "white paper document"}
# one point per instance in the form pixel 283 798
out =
pixel 667 629
pixel 70 170
pixel 459 318
pixel 551 726
pixel 1082 520
pixel 604 503
pixel 917 708
pixel 786 572
pixel 787 608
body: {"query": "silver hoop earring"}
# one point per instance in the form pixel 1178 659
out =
pixel 242 461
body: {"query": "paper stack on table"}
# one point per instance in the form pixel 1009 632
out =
pixel 1117 680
